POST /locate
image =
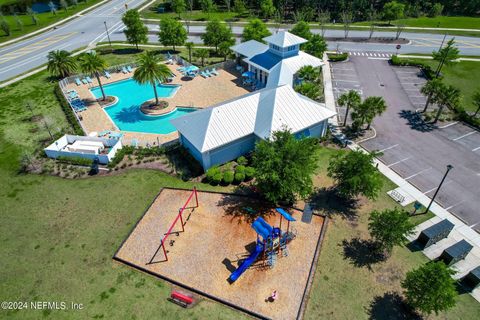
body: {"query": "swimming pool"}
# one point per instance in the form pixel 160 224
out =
pixel 126 112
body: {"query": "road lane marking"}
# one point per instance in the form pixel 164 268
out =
pixel 391 147
pixel 448 125
pixel 465 135
pixel 416 174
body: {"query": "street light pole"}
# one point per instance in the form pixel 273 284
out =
pixel 449 167
pixel 108 34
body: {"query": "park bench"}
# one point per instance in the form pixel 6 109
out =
pixel 181 299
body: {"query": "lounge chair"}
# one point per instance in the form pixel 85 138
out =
pixel 214 72
pixel 181 69
pixel 89 80
pixel 84 81
pixel 208 73
pixel 107 74
pixel 203 74
pixel 124 70
pixel 78 82
pixel 73 95
pixel 115 135
pixel 169 61
pixel 129 69
pixel 104 133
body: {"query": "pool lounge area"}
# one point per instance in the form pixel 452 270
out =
pixel 126 113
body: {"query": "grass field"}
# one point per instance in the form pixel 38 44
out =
pixel 58 237
pixel 462 75
pixel 437 22
pixel 44 19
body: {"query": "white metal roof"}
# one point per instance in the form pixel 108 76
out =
pixel 284 39
pixel 261 113
pixel 249 48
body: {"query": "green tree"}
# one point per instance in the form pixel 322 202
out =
pixel 302 29
pixel 32 15
pixel 309 89
pixel 448 97
pixel 135 31
pixel 150 71
pixel 5 27
pixel 189 45
pixel 390 228
pixel 224 50
pixel 267 8
pixel 393 10
pixel 323 20
pixel 436 10
pixel 430 288
pixel 284 167
pixel 431 90
pixel 201 54
pixel 350 100
pixel 179 7
pixel 316 46
pixel 18 22
pixel 172 33
pixel 446 56
pixel 64 5
pixel 207 7
pixel 216 33
pixel 91 63
pixel 255 30
pixel 367 110
pixel 61 63
pixel 355 174
pixel 309 73
pixel 476 102
pixel 239 7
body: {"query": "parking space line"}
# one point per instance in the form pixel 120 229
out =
pixel 436 187
pixel 340 80
pixel 397 162
pixel 465 135
pixel 335 69
pixel 478 148
pixel 448 125
pixel 391 147
pixel 456 204
pixel 416 174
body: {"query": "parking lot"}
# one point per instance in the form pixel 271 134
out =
pixel 419 152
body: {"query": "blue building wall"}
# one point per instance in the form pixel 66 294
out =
pixel 193 151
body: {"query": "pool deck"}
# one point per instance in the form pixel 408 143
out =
pixel 198 92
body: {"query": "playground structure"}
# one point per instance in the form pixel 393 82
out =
pixel 177 218
pixel 271 242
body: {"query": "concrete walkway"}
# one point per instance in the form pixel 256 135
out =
pixel 459 232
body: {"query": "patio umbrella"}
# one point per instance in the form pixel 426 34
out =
pixel 248 74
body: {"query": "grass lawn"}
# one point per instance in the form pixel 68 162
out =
pixel 58 236
pixel 437 22
pixel 44 19
pixel 196 15
pixel 462 75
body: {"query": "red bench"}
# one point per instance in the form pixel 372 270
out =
pixel 181 299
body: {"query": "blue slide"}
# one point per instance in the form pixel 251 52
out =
pixel 247 263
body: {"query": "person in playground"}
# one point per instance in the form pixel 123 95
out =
pixel 273 296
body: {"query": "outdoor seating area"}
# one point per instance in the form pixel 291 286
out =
pixel 248 79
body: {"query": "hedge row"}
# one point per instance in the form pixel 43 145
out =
pixel 76 161
pixel 427 70
pixel 69 114
pixel 336 57
pixel 215 176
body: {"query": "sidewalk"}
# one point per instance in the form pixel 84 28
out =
pixel 460 231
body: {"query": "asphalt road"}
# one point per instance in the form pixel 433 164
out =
pixel 417 151
pixel 86 29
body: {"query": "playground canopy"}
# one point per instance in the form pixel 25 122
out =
pixel 285 214
pixel 435 233
pixel 262 227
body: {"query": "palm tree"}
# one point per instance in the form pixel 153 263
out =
pixel 449 97
pixel 224 50
pixel 309 73
pixel 189 46
pixel 91 63
pixel 377 106
pixel 309 89
pixel 61 63
pixel 431 90
pixel 350 99
pixel 151 71
pixel 202 54
pixel 476 102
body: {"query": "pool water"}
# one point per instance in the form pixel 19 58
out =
pixel 126 112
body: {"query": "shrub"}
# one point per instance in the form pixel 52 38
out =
pixel 337 57
pixel 211 173
pixel 426 69
pixel 249 173
pixel 75 161
pixel 69 114
pixel 242 161
pixel 126 150
pixel 240 169
pixel 239 177
pixel 217 178
pixel 228 177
